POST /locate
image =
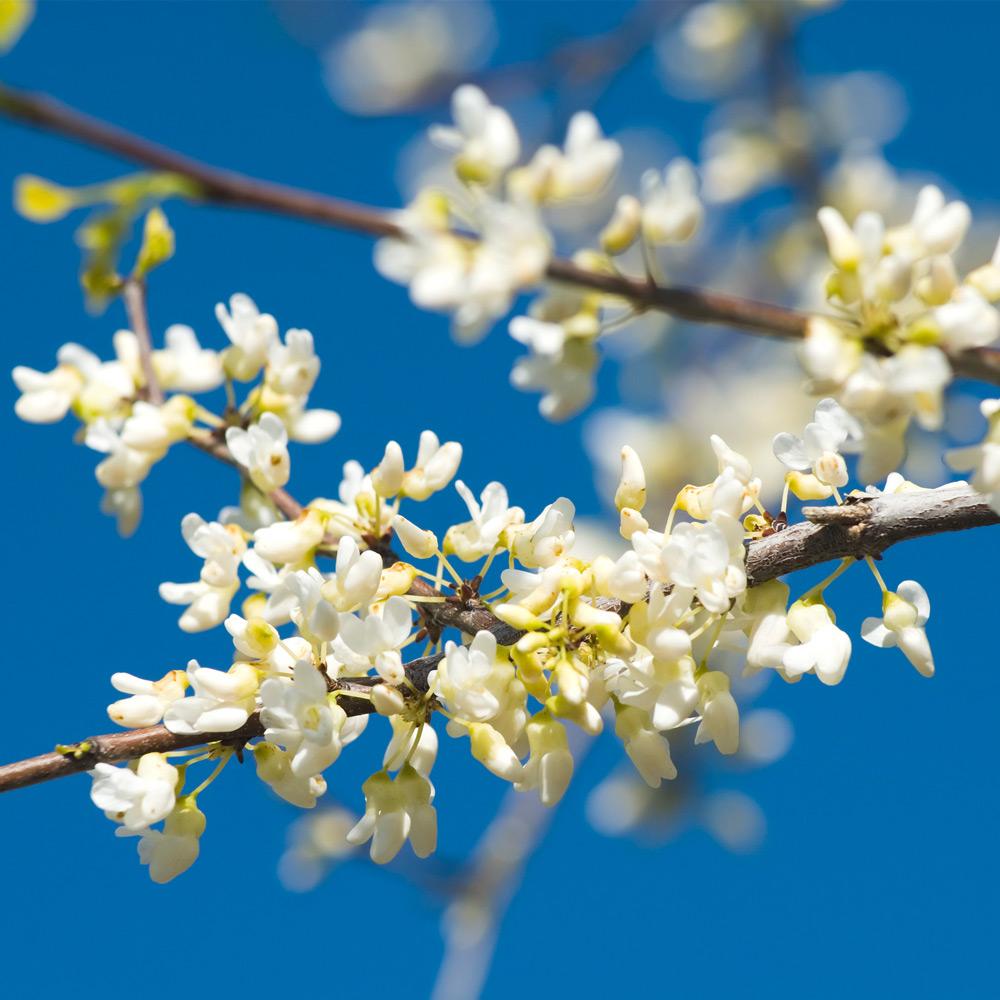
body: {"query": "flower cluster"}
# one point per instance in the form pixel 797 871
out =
pixel 116 405
pixel 897 292
pixel 642 640
pixel 469 250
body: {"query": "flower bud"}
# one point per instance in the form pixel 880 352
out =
pixel 623 228
pixel 493 752
pixel 395 581
pixel 419 543
pixel 631 490
pixel 630 522
pixel 844 246
pixel 806 486
pixel 387 476
pixel 518 617
pixel 387 700
pixel 40 200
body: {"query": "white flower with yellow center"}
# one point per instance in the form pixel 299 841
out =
pixel 484 139
pixel 208 598
pixel 301 716
pixel 904 614
pixel 135 796
pixel 397 809
pixel 262 449
pixel 221 703
pixel 832 430
pixel 148 699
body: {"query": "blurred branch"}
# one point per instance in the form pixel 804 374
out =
pixel 864 526
pixel 576 63
pixel 489 884
pixel 784 92
pixel 226 187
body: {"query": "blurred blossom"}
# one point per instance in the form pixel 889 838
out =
pixel 725 401
pixel 716 44
pixel 738 161
pixel 618 804
pixel 403 50
pixel 316 842
pixel 735 820
pixel 858 107
pixel 710 48
pixel 765 736
pixel 862 179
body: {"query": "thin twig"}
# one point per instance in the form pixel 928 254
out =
pixel 227 187
pixel 134 296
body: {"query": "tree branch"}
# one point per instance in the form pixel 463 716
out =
pixel 864 526
pixel 134 297
pixel 226 187
pixel 867 526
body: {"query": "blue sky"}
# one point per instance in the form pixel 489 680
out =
pixel 879 870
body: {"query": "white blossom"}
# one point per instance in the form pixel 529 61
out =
pixel 379 636
pixel 221 703
pixel 822 647
pixel 209 597
pixel 304 719
pixel 550 766
pixel 647 749
pixel 720 717
pixel 484 139
pixel 262 449
pixel 397 809
pixel 416 745
pixel 434 469
pixel 137 797
pixel 490 517
pixel 148 699
pixel 356 578
pixel 582 169
pixel 671 210
pixel 492 751
pixel 290 541
pixel 274 766
pixel 172 851
pixel 818 450
pixel 317 619
pixel 252 335
pixel 904 614
pixel 545 540
pixel 183 365
pixel 471 680
pixel 418 542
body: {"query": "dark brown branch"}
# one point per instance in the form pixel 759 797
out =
pixel 227 187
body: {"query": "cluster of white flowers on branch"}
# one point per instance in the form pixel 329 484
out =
pixel 502 207
pixel 546 639
pixel 617 291
pixel 902 311
pixel 638 638
pixel 134 407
